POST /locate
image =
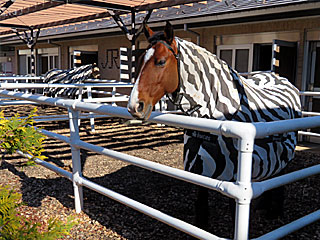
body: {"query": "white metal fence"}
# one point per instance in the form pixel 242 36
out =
pixel 109 89
pixel 243 190
pixel 308 132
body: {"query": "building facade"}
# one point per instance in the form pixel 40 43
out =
pixel 283 36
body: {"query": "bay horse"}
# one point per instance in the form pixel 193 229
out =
pixel 202 85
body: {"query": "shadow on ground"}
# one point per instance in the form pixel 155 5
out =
pixel 168 195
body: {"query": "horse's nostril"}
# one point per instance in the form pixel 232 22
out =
pixel 140 107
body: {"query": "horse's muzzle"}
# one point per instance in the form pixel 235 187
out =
pixel 140 110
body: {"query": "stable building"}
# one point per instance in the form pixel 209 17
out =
pixel 273 35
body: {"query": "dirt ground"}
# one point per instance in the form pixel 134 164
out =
pixel 48 195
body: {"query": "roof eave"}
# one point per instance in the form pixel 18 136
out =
pixel 252 15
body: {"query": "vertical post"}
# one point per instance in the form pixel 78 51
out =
pixel 113 95
pixel 33 68
pixel 244 181
pixel 80 99
pixel 27 81
pixel 133 45
pixel 76 160
pixel 89 92
pixel 16 81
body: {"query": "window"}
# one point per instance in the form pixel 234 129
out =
pixel 29 64
pixel 239 57
pixel 45 60
pixel 48 62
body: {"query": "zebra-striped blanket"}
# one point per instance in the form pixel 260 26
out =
pixel 209 88
pixel 69 76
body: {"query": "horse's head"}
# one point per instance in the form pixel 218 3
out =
pixel 158 73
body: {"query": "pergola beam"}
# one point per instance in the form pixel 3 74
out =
pixel 29 10
pixel 57 23
pixel 15 26
pixel 164 4
pixel 6 5
pixel 109 6
pixel 111 10
pixel 73 20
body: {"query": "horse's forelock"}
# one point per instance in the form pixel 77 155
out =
pixel 156 37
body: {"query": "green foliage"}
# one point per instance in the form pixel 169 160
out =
pixel 19 134
pixel 9 201
pixel 15 226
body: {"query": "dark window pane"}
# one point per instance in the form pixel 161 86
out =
pixel 29 65
pixel 56 62
pixel 242 60
pixel 44 64
pixel 317 69
pixel 51 62
pixel 23 64
pixel 226 55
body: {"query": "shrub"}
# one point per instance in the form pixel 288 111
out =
pixel 15 226
pixel 19 134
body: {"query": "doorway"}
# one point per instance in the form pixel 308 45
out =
pixel 262 57
pixel 83 58
pixel 284 59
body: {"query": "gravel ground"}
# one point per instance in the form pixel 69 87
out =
pixel 48 195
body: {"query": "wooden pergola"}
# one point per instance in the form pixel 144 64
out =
pixel 35 14
pixel 26 18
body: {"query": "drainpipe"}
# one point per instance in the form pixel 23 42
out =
pixel 185 27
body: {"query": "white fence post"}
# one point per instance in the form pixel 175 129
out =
pixel 89 92
pixel 243 191
pixel 76 159
pixel 113 95
pixel 242 217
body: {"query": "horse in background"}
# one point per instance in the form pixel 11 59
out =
pixel 202 85
pixel 74 75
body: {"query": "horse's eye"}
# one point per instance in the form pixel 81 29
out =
pixel 161 63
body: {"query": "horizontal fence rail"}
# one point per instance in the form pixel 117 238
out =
pixel 309 94
pixel 111 96
pixel 243 190
pixel 60 85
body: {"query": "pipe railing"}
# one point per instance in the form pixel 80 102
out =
pixel 243 190
pixel 308 133
pixel 112 97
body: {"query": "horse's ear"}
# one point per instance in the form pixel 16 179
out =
pixel 147 31
pixel 168 32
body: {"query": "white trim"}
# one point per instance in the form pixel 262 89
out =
pixel 24 52
pixel 88 48
pixel 54 50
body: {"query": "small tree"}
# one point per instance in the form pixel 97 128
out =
pixel 19 134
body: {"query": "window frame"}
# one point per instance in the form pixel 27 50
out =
pixel 48 56
pixel 234 48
